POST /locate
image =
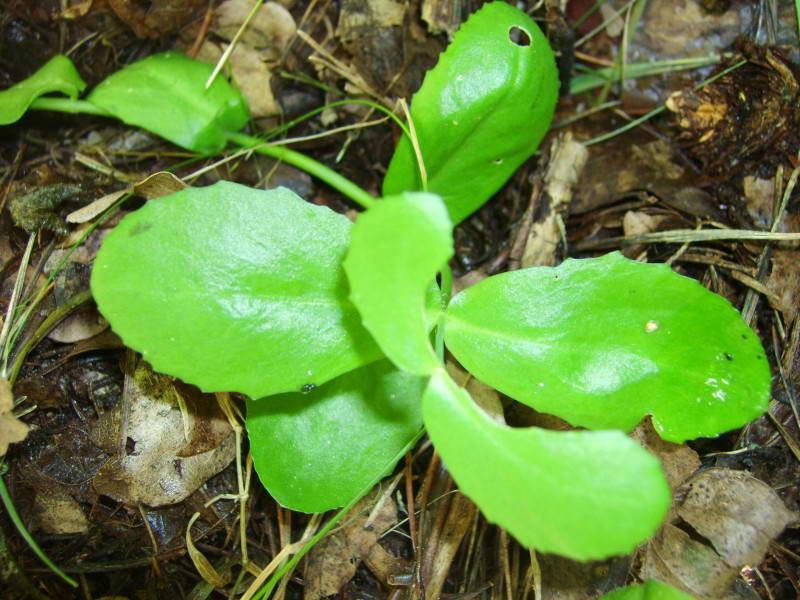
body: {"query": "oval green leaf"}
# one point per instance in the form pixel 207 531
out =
pixel 650 590
pixel 481 112
pixel 317 451
pixel 166 94
pixel 234 289
pixel 586 495
pixel 57 75
pixel 397 248
pixel 603 342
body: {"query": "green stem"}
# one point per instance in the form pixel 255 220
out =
pixel 53 319
pixel 69 105
pixel 12 513
pixel 301 161
pixel 446 275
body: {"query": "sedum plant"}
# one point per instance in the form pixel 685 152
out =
pixel 336 332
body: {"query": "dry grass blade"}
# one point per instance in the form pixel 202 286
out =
pixel 680 236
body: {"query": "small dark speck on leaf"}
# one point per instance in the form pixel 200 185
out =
pixel 140 228
pixel 728 356
pixel 309 387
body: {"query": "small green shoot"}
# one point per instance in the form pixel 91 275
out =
pixel 57 75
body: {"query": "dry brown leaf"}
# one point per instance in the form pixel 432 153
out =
pixel 442 16
pixel 161 466
pixel 637 222
pixel 333 562
pixel 157 17
pixel 56 512
pixel 207 571
pixel 79 9
pixel 155 186
pixel 678 460
pixel 271 28
pixel 784 283
pixel 736 512
pixel 86 322
pixel 676 559
pixel 12 430
pixel 483 395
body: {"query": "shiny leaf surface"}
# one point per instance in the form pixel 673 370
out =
pixel 480 112
pixel 582 494
pixel 166 94
pixel 650 590
pixel 604 342
pixel 315 451
pixel 397 248
pixel 234 289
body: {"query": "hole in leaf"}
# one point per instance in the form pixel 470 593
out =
pixel 519 36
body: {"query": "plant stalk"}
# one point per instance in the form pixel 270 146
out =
pixel 305 163
pixel 15 518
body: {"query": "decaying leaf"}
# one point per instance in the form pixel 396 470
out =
pixel 333 561
pixel 156 185
pixel 168 453
pixel 56 511
pixel 156 17
pixel 12 430
pixel 784 282
pixel 737 515
pixel 736 512
pixel 678 460
pixel 263 42
pixel 676 559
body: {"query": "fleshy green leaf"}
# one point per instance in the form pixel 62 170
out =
pixel 166 94
pixel 582 494
pixel 234 289
pixel 397 248
pixel 480 112
pixel 317 451
pixel 57 75
pixel 603 342
pixel 650 590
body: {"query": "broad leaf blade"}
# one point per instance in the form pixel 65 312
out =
pixel 604 342
pixel 234 289
pixel 650 590
pixel 166 94
pixel 317 451
pixel 57 75
pixel 582 494
pixel 397 248
pixel 480 112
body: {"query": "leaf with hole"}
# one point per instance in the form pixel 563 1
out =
pixel 166 94
pixel 397 248
pixel 234 289
pixel 481 112
pixel 316 451
pixel 57 75
pixel 586 495
pixel 603 342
